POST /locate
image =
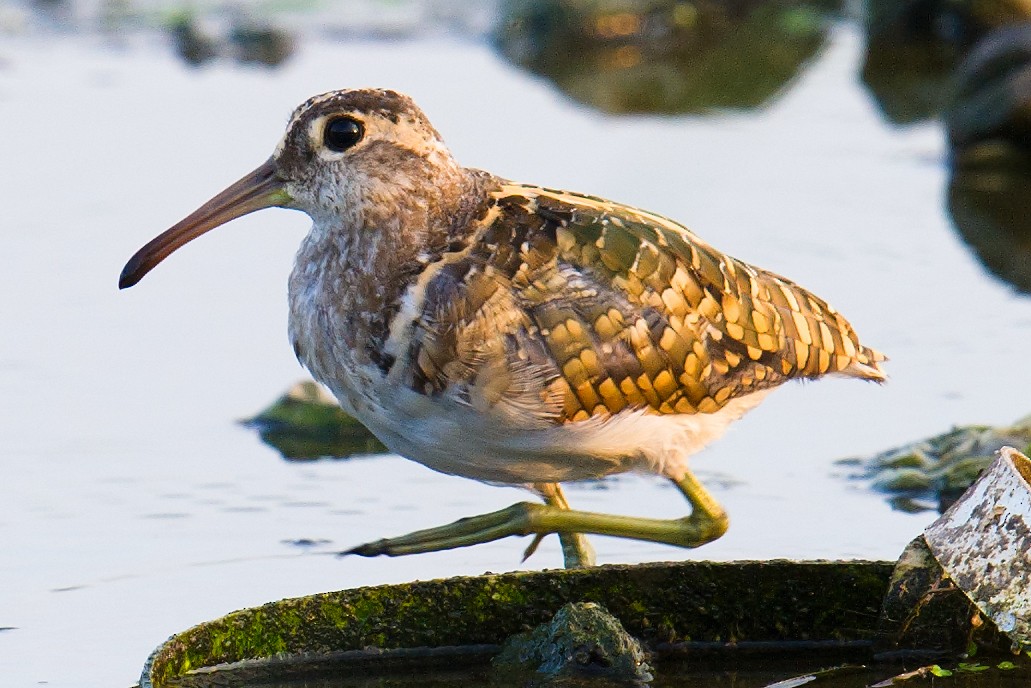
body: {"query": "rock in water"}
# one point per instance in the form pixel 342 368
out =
pixel 582 639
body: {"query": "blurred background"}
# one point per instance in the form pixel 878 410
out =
pixel 875 151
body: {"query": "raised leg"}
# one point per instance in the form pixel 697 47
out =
pixel 706 523
pixel 577 552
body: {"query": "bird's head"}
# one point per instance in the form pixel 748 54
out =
pixel 343 152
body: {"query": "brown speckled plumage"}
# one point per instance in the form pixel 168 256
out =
pixel 601 307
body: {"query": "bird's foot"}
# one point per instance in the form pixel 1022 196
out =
pixel 514 520
pixel 525 518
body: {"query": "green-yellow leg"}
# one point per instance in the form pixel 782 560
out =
pixel 577 552
pixel 706 522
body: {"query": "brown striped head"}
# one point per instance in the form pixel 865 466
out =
pixel 345 155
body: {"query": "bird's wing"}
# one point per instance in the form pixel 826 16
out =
pixel 590 307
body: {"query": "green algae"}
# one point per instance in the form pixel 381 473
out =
pixel 664 605
pixel 939 467
pixel 306 423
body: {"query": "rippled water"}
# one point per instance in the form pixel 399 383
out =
pixel 131 503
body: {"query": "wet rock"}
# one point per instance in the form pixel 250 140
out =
pixel 982 544
pixel 992 91
pixel 246 40
pixel 964 582
pixel 191 44
pixel 307 423
pixel 582 639
pixel 913 46
pixel 902 480
pixel 669 606
pixel 924 610
pixel 664 56
pixel 261 44
pixel 939 468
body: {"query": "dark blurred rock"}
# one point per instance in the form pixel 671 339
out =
pixel 989 129
pixel 261 44
pixel 248 42
pixel 623 56
pixel 989 193
pixel 190 43
pixel 991 95
pixel 913 46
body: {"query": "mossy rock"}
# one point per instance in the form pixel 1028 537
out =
pixel 307 423
pixel 671 608
pixel 583 639
pixel 938 468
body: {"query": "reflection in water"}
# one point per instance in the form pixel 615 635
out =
pixel 988 199
pixel 665 56
pixel 913 46
pixel 989 126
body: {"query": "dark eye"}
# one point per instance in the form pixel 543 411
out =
pixel 342 133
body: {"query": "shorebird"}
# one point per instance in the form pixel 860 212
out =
pixel 515 334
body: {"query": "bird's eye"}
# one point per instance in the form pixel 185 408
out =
pixel 342 133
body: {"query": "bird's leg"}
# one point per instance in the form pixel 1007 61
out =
pixel 577 552
pixel 706 522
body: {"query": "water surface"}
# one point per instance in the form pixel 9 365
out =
pixel 133 506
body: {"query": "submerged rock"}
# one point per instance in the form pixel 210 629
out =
pixel 307 423
pixel 939 467
pixel 582 639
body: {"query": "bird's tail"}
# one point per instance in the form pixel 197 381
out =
pixel 867 365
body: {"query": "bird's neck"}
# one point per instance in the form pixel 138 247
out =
pixel 353 270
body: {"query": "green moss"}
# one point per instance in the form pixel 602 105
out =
pixel 960 474
pixel 942 466
pixel 908 459
pixel 901 480
pixel 658 603
pixel 307 423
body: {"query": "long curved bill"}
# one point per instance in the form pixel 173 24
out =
pixel 259 189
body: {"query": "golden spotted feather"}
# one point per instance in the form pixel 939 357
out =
pixel 566 306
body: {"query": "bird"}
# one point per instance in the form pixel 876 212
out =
pixel 516 334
